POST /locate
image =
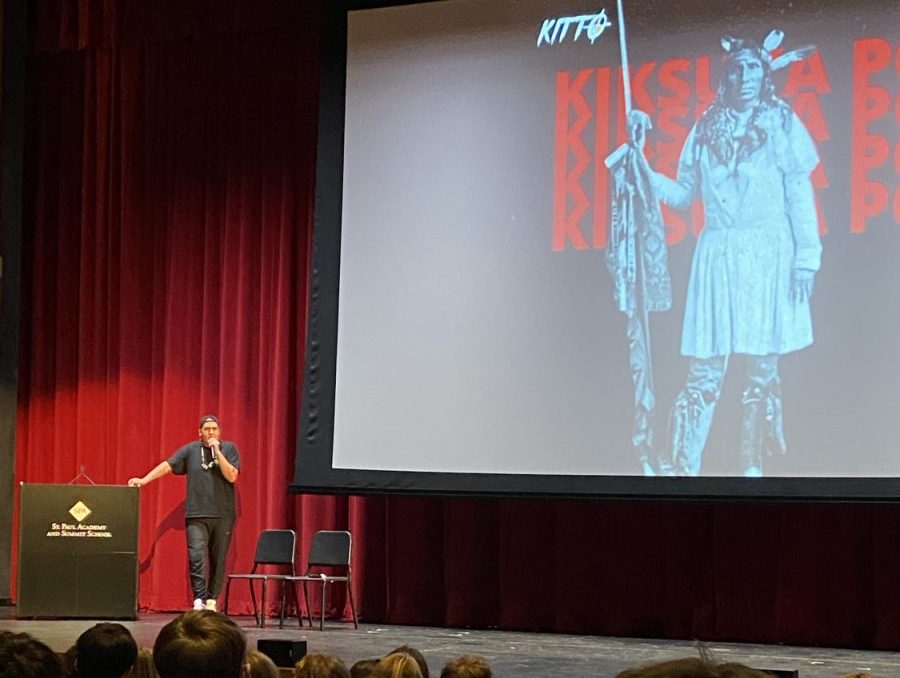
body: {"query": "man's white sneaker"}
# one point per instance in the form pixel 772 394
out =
pixel 198 603
pixel 211 604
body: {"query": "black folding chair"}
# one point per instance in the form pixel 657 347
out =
pixel 331 549
pixel 274 547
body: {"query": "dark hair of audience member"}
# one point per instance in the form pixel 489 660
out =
pixel 397 665
pixel 22 656
pixel 318 665
pixel 106 650
pixel 200 644
pixel 143 665
pixel 692 667
pixel 363 668
pixel 68 659
pixel 261 666
pixel 415 654
pixel 467 666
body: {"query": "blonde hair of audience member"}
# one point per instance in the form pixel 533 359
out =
pixel 397 665
pixel 143 665
pixel 320 666
pixel 261 666
pixel 415 654
pixel 467 666
pixel 363 668
pixel 692 667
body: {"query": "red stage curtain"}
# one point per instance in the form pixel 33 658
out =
pixel 170 188
pixel 171 161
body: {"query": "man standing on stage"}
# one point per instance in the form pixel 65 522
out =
pixel 212 468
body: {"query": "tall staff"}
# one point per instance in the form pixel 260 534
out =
pixel 623 53
pixel 636 259
pixel 613 158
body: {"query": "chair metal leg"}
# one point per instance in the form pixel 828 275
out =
pixel 297 607
pixel 352 606
pixel 262 615
pixel 253 598
pixel 281 610
pixel 322 618
pixel 308 608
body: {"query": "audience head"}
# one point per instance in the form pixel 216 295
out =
pixel 467 666
pixel 69 661
pixel 260 666
pixel 693 667
pixel 415 654
pixel 397 665
pixel 22 656
pixel 364 668
pixel 105 650
pixel 199 644
pixel 320 666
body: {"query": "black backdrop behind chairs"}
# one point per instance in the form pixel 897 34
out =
pixel 170 173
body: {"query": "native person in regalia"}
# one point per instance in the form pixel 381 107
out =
pixel 749 160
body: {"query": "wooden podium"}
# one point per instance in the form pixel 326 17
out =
pixel 78 551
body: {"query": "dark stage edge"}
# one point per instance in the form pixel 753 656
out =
pixel 511 654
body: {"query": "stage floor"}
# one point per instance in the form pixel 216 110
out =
pixel 511 655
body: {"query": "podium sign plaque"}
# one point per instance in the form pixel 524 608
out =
pixel 78 551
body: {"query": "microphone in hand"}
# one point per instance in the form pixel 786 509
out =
pixel 216 448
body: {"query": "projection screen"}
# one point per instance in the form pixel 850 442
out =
pixel 506 300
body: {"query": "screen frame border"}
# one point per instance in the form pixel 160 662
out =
pixel 313 471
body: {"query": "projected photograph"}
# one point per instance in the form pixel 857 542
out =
pixel 570 240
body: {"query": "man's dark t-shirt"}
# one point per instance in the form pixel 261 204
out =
pixel 209 495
